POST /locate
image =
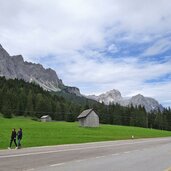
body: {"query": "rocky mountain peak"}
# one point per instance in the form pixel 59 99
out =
pixel 1 48
pixel 15 67
pixel 113 93
pixel 72 90
pixel 3 53
pixel 114 96
pixel 139 96
pixel 18 58
pixel 149 103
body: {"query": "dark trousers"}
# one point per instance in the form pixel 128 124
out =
pixel 13 139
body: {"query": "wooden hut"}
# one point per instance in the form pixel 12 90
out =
pixel 88 118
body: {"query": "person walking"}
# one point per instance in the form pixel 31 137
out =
pixel 13 138
pixel 19 137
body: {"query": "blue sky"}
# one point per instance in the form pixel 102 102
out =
pixel 96 45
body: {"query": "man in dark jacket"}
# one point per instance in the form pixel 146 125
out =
pixel 19 137
pixel 13 138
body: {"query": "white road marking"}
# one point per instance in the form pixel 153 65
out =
pixel 58 164
pixel 81 148
pixel 116 154
pixel 29 169
pixel 136 150
pixel 126 152
pixel 98 157
pixel 80 160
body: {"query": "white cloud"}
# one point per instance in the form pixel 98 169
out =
pixel 71 36
pixel 158 47
pixel 113 48
pixel 39 27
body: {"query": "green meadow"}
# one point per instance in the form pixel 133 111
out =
pixel 54 133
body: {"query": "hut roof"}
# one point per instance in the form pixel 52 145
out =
pixel 45 116
pixel 85 113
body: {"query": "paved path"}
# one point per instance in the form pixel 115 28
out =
pixel 129 155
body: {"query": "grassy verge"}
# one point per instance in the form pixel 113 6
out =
pixel 54 133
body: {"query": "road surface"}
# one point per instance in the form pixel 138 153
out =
pixel 126 155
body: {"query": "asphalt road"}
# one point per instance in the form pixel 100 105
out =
pixel 129 155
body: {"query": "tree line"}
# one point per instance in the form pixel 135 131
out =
pixel 18 98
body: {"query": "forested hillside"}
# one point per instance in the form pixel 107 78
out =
pixel 28 99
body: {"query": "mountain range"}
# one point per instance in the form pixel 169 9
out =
pixel 114 96
pixel 15 67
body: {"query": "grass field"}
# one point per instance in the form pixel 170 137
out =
pixel 54 133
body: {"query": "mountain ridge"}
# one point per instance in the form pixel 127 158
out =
pixel 15 67
pixel 114 96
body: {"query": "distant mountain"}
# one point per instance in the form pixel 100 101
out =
pixel 15 67
pixel 114 96
pixel 149 103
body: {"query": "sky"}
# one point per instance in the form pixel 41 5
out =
pixel 95 45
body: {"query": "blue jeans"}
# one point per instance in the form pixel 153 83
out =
pixel 19 142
